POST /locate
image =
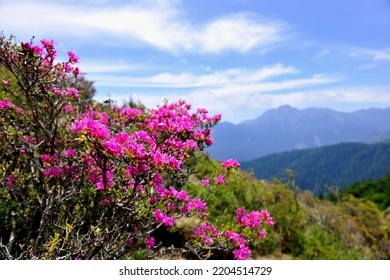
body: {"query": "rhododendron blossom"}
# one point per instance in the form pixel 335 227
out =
pixel 6 82
pixel 242 253
pixel 95 128
pixel 262 234
pixel 73 58
pixel 5 103
pixel 206 232
pixel 220 179
pixel 149 242
pixel 230 163
pixel 162 218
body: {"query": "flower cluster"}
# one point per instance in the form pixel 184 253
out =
pixel 161 218
pixel 102 168
pixel 206 232
pixel 243 252
pixel 253 219
pixel 5 103
pixel 230 163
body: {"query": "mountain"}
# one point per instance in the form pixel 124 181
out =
pixel 287 128
pixel 337 165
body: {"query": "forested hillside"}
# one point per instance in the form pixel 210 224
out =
pixel 314 169
pixel 306 227
pixel 377 191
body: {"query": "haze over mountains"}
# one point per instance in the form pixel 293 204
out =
pixel 287 128
pixel 338 165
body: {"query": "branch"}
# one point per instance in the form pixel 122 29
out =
pixel 4 253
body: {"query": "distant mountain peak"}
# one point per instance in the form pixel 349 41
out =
pixel 286 128
pixel 286 107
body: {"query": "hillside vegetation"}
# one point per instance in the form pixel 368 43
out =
pixel 338 165
pixel 377 191
pixel 306 227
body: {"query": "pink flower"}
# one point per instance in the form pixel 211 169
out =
pixel 251 220
pixel 6 82
pixel 45 157
pixel 53 172
pixel 47 44
pixel 205 232
pixel 270 222
pixel 240 212
pixel 10 181
pixel 130 113
pixel 56 171
pixel 38 50
pixel 194 204
pixel 70 153
pixel 199 204
pixel 230 163
pixel 122 137
pixel 68 68
pixel 171 207
pixel 76 71
pixel 68 108
pixel 153 200
pixel 57 91
pixel 72 92
pixel 262 234
pixel 205 183
pixel 205 215
pixel 162 218
pixel 100 186
pixel 73 58
pixel 5 103
pixel 242 253
pixel 182 195
pixel 47 172
pixel 220 179
pixel 113 147
pixel 87 125
pixel 235 237
pixel 264 214
pixel 150 242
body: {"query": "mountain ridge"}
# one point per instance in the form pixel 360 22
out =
pixel 287 128
pixel 316 168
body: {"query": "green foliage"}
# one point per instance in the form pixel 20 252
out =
pixel 306 227
pixel 377 191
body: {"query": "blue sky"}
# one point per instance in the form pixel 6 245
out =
pixel 234 57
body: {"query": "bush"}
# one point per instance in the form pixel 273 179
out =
pixel 81 180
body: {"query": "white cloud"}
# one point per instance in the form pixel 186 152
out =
pixel 375 55
pixel 91 68
pixel 339 98
pixel 158 23
pixel 234 77
pixel 226 90
pixel 240 33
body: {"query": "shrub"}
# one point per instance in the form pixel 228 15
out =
pixel 81 180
